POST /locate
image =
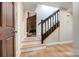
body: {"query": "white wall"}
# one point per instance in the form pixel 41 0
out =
pixel 31 13
pixel 20 26
pixel 44 11
pixel 66 30
pixel 76 28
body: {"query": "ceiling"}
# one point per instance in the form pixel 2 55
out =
pixel 33 5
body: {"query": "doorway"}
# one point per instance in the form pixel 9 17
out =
pixel 31 25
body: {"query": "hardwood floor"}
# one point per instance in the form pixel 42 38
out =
pixel 60 50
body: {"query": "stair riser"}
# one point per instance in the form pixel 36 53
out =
pixel 29 46
pixel 31 43
pixel 31 39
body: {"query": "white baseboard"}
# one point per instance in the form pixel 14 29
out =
pixel 54 43
pixel 66 42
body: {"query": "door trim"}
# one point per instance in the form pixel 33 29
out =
pixel 14 45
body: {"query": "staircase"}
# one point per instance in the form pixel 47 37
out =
pixel 32 44
pixel 49 25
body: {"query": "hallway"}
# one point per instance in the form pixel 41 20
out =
pixel 31 46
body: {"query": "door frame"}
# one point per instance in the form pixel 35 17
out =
pixel 14 41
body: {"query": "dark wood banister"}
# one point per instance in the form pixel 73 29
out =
pixel 50 28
